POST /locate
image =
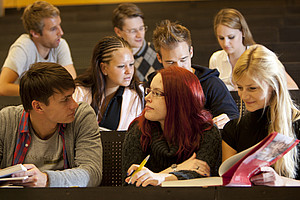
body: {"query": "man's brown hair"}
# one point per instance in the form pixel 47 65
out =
pixel 123 11
pixel 167 34
pixel 41 81
pixel 34 14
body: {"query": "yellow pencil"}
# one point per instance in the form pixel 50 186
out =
pixel 139 168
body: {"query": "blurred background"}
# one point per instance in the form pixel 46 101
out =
pixel 273 23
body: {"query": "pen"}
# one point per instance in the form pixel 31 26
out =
pixel 139 168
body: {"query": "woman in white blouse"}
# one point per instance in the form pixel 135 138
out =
pixel 234 37
pixel 110 85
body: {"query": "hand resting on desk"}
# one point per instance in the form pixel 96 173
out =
pixel 269 177
pixel 147 177
pixel 193 164
pixel 35 177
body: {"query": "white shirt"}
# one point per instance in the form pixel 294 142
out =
pixel 220 61
pixel 131 108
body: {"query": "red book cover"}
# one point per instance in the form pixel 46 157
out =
pixel 265 153
pixel 238 169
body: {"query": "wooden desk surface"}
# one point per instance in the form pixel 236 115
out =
pixel 151 193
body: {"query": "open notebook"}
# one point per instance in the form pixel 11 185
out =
pixel 238 169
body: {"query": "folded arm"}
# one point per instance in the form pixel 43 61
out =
pixel 70 68
pixel 84 152
pixel 7 85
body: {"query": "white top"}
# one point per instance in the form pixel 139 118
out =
pixel 220 61
pixel 131 108
pixel 23 53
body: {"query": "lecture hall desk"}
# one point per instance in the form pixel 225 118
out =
pixel 151 193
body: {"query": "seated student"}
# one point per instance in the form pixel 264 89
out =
pixel 174 127
pixel 234 37
pixel 42 43
pixel 173 45
pixel 261 83
pixel 57 140
pixel 128 22
pixel 110 85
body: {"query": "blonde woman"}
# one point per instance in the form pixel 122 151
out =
pixel 261 82
pixel 234 37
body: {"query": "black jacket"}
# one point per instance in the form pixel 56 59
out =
pixel 218 98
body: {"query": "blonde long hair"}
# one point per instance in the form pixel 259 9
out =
pixel 264 67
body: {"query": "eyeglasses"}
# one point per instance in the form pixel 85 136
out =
pixel 154 93
pixel 135 31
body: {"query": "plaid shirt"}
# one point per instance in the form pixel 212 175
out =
pixel 24 140
pixel 145 61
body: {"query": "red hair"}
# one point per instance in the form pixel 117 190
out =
pixel 186 118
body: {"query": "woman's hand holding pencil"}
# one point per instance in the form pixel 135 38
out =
pixel 142 176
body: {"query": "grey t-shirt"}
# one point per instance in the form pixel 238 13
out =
pixel 23 53
pixel 45 154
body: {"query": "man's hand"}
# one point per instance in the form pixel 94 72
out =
pixel 35 177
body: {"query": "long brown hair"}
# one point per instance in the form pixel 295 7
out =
pixel 94 78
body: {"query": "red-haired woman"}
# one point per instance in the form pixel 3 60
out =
pixel 174 128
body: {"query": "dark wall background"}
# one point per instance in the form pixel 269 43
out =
pixel 273 23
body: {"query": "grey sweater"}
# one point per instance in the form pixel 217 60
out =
pixel 162 155
pixel 83 146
